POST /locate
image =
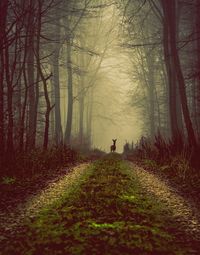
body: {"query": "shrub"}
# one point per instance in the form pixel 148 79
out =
pixel 37 161
pixel 174 156
pixel 180 164
pixel 150 163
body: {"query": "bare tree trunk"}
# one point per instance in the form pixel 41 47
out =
pixel 198 63
pixel 179 112
pixel 25 102
pixel 171 81
pixel 3 16
pixel 2 149
pixel 48 104
pixel 10 145
pixel 151 94
pixel 81 114
pixel 56 83
pixel 81 94
pixel 194 105
pixel 30 78
pixel 23 114
pixel 158 109
pixel 52 115
pixel 70 94
pixel 170 12
pixel 56 79
pixel 148 73
pixel 47 114
pixel 43 78
pixel 89 118
pixel 166 118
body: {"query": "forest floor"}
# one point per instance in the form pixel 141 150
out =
pixel 110 206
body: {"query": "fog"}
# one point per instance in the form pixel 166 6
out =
pixel 113 117
pixel 119 119
pixel 81 73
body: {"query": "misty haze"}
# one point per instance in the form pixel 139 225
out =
pixel 99 127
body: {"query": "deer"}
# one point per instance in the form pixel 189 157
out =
pixel 113 147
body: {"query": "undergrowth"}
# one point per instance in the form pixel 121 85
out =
pixel 174 158
pixel 28 164
pixel 104 212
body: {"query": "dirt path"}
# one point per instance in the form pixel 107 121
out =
pixel 10 222
pixel 184 213
pixel 104 190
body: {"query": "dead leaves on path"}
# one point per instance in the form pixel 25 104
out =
pixel 181 209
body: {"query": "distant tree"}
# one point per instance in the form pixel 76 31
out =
pixel 56 73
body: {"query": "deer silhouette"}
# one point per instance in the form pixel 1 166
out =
pixel 113 147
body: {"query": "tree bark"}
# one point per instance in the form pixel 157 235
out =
pixel 169 9
pixel 151 93
pixel 70 94
pixel 81 114
pixel 171 79
pixel 43 78
pixel 30 78
pixel 3 16
pixel 89 118
pixel 197 32
pixel 10 145
pixel 23 114
pixel 56 83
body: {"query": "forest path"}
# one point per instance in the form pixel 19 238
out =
pixel 182 211
pixel 108 207
pixel 12 220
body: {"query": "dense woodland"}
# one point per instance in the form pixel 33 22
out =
pixel 75 76
pixel 51 54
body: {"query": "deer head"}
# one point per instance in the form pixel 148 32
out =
pixel 114 141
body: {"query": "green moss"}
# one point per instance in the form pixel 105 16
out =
pixel 104 212
pixel 129 198
pixel 8 180
pixel 150 163
pixel 114 225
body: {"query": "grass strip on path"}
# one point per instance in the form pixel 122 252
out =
pixel 105 212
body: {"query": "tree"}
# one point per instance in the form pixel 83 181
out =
pixel 3 20
pixel 169 11
pixel 31 24
pixel 56 80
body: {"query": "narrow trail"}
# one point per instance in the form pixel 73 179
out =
pixel 10 222
pixel 181 209
pixel 124 210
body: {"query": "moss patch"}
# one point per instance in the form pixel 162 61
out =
pixel 104 212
